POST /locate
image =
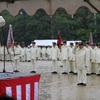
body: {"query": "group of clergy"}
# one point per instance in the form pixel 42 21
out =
pixel 81 58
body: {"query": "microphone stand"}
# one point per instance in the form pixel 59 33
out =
pixel 4 70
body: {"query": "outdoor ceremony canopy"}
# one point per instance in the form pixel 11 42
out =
pixel 50 6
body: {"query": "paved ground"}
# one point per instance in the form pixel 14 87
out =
pixel 60 87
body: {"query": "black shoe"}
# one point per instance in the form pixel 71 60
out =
pixel 15 71
pixel 32 71
pixel 84 84
pixel 75 73
pixel 87 74
pixel 54 72
pixel 71 72
pixel 61 66
pixel 93 73
pixel 97 74
pixel 64 73
pixel 80 84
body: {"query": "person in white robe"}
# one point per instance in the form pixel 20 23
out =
pixel 34 57
pixel 98 60
pixel 64 57
pixel 48 51
pixel 23 54
pixel 39 52
pixel 7 55
pixel 43 53
pixel 2 52
pixel 81 63
pixel 54 58
pixel 17 56
pixel 60 58
pixel 28 54
pixel 71 58
pixel 11 53
pixel 88 49
pixel 93 58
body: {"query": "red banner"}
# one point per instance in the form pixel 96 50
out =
pixel 59 40
pixel 22 88
pixel 10 39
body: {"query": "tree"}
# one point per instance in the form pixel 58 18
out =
pixel 41 26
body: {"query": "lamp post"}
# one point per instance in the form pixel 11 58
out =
pixel 72 28
pixel 51 27
pixel 95 22
pixel 24 23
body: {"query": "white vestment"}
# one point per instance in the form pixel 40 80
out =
pixel 64 57
pixel 98 61
pixel 34 56
pixel 81 63
pixel 54 56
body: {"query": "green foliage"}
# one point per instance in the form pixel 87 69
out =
pixel 41 26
